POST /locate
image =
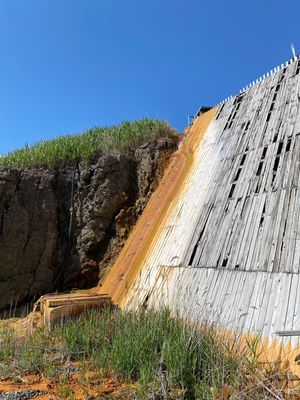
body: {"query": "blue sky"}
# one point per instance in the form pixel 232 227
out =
pixel 66 65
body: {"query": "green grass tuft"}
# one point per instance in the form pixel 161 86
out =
pixel 159 352
pixel 71 148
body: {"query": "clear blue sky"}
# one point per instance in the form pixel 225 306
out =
pixel 66 65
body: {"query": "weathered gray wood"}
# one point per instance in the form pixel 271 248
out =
pixel 231 243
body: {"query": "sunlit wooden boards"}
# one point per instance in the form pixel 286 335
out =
pixel 56 308
pixel 229 251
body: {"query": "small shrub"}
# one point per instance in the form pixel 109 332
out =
pixel 7 341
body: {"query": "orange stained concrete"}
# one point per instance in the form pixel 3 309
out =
pixel 141 240
pixel 278 359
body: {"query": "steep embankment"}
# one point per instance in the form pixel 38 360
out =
pixel 45 246
pixel 133 257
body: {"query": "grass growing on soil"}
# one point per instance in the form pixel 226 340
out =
pixel 70 148
pixel 164 357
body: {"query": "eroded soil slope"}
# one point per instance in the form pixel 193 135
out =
pixel 61 228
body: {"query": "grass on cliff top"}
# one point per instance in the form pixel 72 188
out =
pixel 84 146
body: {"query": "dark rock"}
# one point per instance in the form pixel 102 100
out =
pixel 21 395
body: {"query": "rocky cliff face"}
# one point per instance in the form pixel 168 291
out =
pixel 62 228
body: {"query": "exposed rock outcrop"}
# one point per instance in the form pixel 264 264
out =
pixel 62 228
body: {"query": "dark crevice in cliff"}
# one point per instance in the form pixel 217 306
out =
pixel 30 220
pixel 2 215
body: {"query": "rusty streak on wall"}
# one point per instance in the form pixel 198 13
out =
pixel 141 240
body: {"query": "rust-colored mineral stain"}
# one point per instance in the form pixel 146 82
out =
pixel 140 241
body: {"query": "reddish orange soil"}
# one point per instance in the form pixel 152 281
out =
pixel 81 386
pixel 30 382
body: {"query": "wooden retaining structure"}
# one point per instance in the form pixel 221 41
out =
pixel 57 308
pixel 219 241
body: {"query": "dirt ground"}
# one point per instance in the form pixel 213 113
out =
pixel 78 385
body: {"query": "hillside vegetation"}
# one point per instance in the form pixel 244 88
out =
pixel 85 146
pixel 159 354
pixel 155 355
